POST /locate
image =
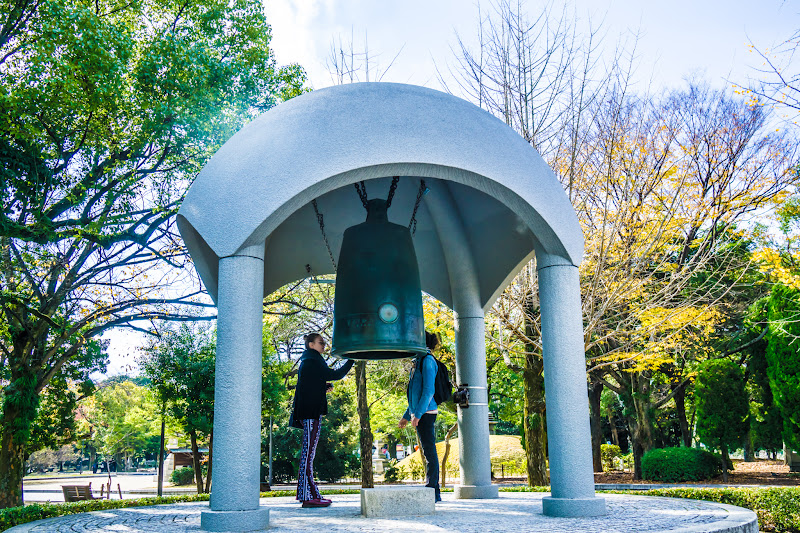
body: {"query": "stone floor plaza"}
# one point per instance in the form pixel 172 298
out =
pixel 511 512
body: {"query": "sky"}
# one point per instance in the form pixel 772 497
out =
pixel 677 39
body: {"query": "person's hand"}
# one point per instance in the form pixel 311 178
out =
pixel 402 423
pixel 414 421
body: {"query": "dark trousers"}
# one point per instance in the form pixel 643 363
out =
pixel 306 487
pixel 427 437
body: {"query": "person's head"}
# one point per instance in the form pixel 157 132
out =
pixel 431 340
pixel 314 341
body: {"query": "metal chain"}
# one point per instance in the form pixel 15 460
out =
pixel 324 237
pixel 362 193
pixel 392 189
pixel 412 225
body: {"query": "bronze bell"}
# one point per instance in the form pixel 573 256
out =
pixel 377 310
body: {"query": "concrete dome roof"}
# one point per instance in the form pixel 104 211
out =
pixel 259 186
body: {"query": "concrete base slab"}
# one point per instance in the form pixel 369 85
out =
pixel 397 501
pixel 476 492
pixel 252 520
pixel 573 507
pixel 512 512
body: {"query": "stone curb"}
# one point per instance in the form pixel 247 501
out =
pixel 629 513
pixel 740 520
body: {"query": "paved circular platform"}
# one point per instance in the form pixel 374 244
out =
pixel 512 512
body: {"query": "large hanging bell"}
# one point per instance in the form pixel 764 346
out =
pixel 377 310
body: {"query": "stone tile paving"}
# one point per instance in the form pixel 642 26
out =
pixel 512 512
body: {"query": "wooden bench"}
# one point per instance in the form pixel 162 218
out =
pixel 76 493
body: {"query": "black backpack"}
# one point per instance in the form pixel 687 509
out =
pixel 442 388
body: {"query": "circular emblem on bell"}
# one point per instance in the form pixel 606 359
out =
pixel 388 313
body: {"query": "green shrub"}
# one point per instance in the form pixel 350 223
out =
pixel 627 461
pixel 609 452
pixel 394 473
pixel 182 476
pixel 672 465
pixel 416 467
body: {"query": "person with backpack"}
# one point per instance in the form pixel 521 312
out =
pixel 422 409
pixel 310 405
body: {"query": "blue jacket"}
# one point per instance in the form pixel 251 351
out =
pixel 420 387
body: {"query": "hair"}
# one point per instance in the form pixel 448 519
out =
pixel 311 337
pixel 431 340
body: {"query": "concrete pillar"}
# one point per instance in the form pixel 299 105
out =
pixel 234 504
pixel 568 436
pixel 473 423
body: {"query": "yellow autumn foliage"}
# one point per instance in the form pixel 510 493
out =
pixel 775 264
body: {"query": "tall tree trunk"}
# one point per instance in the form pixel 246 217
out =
pixel 612 421
pixel 365 432
pixel 680 409
pixel 270 477
pixel 210 457
pixel 443 469
pixel 161 454
pixel 595 421
pixel 11 464
pixel 533 407
pixel 19 410
pixel 643 435
pixel 638 414
pixel 198 471
pixel 725 460
pixel 749 452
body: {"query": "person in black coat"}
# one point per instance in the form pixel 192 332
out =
pixel 310 405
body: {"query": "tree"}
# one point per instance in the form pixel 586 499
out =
pixel 532 73
pixel 723 407
pixel 766 422
pixel 107 111
pixel 783 358
pixel 778 83
pixel 180 365
pixel 123 418
pixel 55 422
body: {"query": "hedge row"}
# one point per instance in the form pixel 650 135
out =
pixel 778 508
pixel 15 516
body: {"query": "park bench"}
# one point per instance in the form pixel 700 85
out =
pixel 76 493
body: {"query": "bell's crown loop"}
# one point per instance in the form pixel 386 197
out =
pixel 377 210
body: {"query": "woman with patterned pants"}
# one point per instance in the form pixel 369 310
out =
pixel 310 405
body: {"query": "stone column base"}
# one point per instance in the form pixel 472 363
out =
pixel 476 492
pixel 573 507
pixel 252 520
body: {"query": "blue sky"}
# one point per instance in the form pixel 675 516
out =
pixel 678 38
